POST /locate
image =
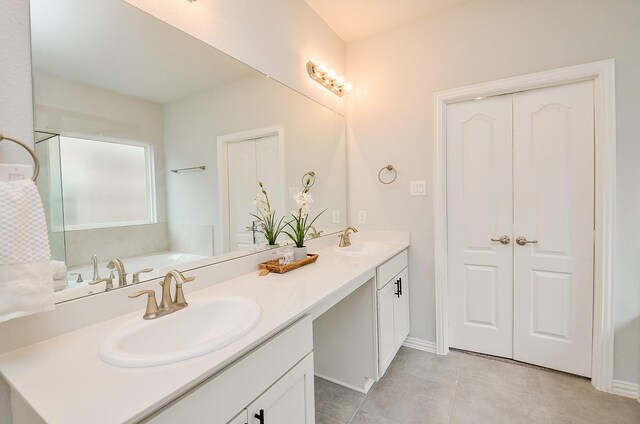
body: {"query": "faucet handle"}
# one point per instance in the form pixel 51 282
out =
pixel 186 280
pixel 179 301
pixel 79 279
pixel 136 275
pixel 152 306
pixel 109 282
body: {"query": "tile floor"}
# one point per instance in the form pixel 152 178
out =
pixel 459 388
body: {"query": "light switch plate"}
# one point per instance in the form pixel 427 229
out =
pixel 418 188
pixel 362 217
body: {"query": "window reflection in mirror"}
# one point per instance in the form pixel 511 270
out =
pixel 106 184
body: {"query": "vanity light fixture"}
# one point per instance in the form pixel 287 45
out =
pixel 328 79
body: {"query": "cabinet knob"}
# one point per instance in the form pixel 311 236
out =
pixel 260 416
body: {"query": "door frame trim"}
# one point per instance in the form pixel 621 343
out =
pixel 602 74
pixel 223 173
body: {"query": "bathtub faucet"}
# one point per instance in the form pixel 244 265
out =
pixel 118 266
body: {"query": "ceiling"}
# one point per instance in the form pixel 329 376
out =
pixel 117 47
pixel 355 19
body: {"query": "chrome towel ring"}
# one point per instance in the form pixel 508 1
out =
pixel 389 168
pixel 36 162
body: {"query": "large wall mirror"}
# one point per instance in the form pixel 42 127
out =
pixel 152 144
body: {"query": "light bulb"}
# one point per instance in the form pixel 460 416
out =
pixel 347 86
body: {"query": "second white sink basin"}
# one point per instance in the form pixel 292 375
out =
pixel 362 248
pixel 202 327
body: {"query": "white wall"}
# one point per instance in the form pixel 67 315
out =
pixel 16 113
pixel 391 109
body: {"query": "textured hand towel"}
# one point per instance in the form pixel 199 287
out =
pixel 59 270
pixel 26 279
pixel 59 284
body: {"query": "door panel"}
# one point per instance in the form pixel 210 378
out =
pixel 251 161
pixel 479 203
pixel 268 168
pixel 242 190
pixel 401 323
pixel 385 326
pixel 554 204
pixel 290 400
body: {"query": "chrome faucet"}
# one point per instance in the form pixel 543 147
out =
pixel 345 240
pixel 94 262
pixel 167 305
pixel 119 266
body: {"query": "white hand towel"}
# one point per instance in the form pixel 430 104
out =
pixel 59 284
pixel 59 270
pixel 26 280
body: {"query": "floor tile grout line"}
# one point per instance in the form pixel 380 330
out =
pixel 455 393
pixel 357 409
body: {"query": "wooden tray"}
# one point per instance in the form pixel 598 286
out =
pixel 274 266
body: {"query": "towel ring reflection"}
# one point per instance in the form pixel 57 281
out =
pixel 36 162
pixel 389 168
pixel 310 177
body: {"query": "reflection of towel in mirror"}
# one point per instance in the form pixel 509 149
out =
pixel 59 270
pixel 26 278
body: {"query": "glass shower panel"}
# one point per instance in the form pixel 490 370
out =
pixel 50 188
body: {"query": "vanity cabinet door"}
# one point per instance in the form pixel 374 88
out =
pixel 241 418
pixel 401 309
pixel 393 318
pixel 386 330
pixel 290 400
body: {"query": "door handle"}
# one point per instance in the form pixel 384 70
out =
pixel 504 239
pixel 522 241
pixel 260 416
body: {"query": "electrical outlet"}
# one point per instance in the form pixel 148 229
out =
pixel 336 217
pixel 418 188
pixel 362 217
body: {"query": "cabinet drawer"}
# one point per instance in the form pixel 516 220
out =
pixel 391 268
pixel 220 398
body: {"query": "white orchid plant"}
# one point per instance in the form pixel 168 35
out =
pixel 269 225
pixel 299 224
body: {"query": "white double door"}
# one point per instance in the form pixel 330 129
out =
pixel 521 167
pixel 249 162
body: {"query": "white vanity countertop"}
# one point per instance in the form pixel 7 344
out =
pixel 64 381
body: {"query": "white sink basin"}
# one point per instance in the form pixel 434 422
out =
pixel 362 248
pixel 202 327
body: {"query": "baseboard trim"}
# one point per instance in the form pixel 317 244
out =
pixel 364 390
pixel 624 388
pixel 419 344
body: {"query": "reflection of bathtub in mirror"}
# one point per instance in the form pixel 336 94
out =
pixel 160 262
